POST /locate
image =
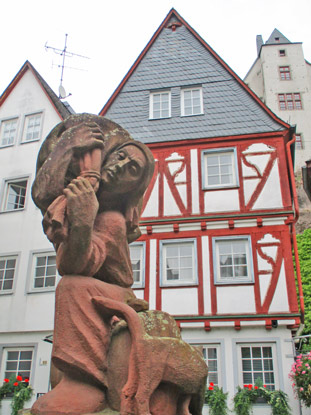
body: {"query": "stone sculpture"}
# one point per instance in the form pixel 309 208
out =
pixel 91 176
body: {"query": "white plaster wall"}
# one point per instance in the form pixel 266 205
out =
pixel 255 80
pixel 226 200
pixel 235 300
pixel 180 301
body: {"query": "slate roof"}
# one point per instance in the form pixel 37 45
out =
pixel 276 34
pixel 174 59
pixel 62 108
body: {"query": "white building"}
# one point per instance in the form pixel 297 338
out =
pixel 281 77
pixel 29 109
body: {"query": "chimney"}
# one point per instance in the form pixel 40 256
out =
pixel 259 43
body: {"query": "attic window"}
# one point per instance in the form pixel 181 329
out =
pixel 282 52
pixel 277 39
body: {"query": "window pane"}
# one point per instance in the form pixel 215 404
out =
pixel 7 285
pixel 12 355
pixel 257 365
pixel 247 378
pixel 267 352
pixel 24 365
pixel 171 250
pixel 39 282
pixel 246 352
pixel 11 365
pixel 26 355
pixel 247 365
pixel 50 282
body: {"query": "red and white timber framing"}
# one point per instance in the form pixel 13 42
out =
pixel 260 206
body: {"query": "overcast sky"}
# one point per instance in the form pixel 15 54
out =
pixel 113 33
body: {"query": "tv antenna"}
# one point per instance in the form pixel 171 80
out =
pixel 64 53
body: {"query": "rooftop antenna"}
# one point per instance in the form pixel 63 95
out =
pixel 64 53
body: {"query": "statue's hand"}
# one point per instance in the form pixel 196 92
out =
pixel 85 136
pixel 82 204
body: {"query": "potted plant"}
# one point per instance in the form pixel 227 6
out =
pixel 18 389
pixel 216 400
pixel 245 398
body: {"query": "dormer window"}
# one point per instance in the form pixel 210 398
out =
pixel 160 105
pixel 191 101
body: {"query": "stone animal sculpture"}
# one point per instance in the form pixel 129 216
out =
pixel 152 361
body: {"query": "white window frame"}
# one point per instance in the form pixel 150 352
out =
pixel 2 129
pixel 183 91
pixel 33 266
pixel 164 282
pixel 249 260
pixel 218 372
pixel 151 104
pixel 141 246
pixel 205 154
pixel 27 119
pixel 18 349
pixel 5 195
pixel 2 280
pixel 254 370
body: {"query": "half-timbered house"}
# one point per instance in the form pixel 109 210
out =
pixel 218 217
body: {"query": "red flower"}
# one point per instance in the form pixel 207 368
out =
pixel 19 378
pixel 211 384
pixel 211 388
pixel 15 384
pixel 6 380
pixel 256 387
pixel 26 380
pixel 245 386
pixel 264 386
pixel 250 386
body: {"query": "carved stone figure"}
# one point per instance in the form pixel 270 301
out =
pixel 91 176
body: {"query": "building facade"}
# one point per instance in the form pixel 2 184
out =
pixel 218 218
pixel 29 109
pixel 281 77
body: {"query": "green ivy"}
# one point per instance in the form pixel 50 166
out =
pixel 304 251
pixel 247 396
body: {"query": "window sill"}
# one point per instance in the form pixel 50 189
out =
pixel 13 210
pixel 6 292
pixel 225 187
pixel 41 290
pixel 161 118
pixel 30 141
pixel 192 115
pixel 180 284
pixel 7 145
pixel 231 283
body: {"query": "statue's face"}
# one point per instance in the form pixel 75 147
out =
pixel 123 169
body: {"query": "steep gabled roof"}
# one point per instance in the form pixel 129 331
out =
pixel 62 109
pixel 277 37
pixel 176 57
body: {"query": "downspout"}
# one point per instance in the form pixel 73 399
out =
pixel 296 210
